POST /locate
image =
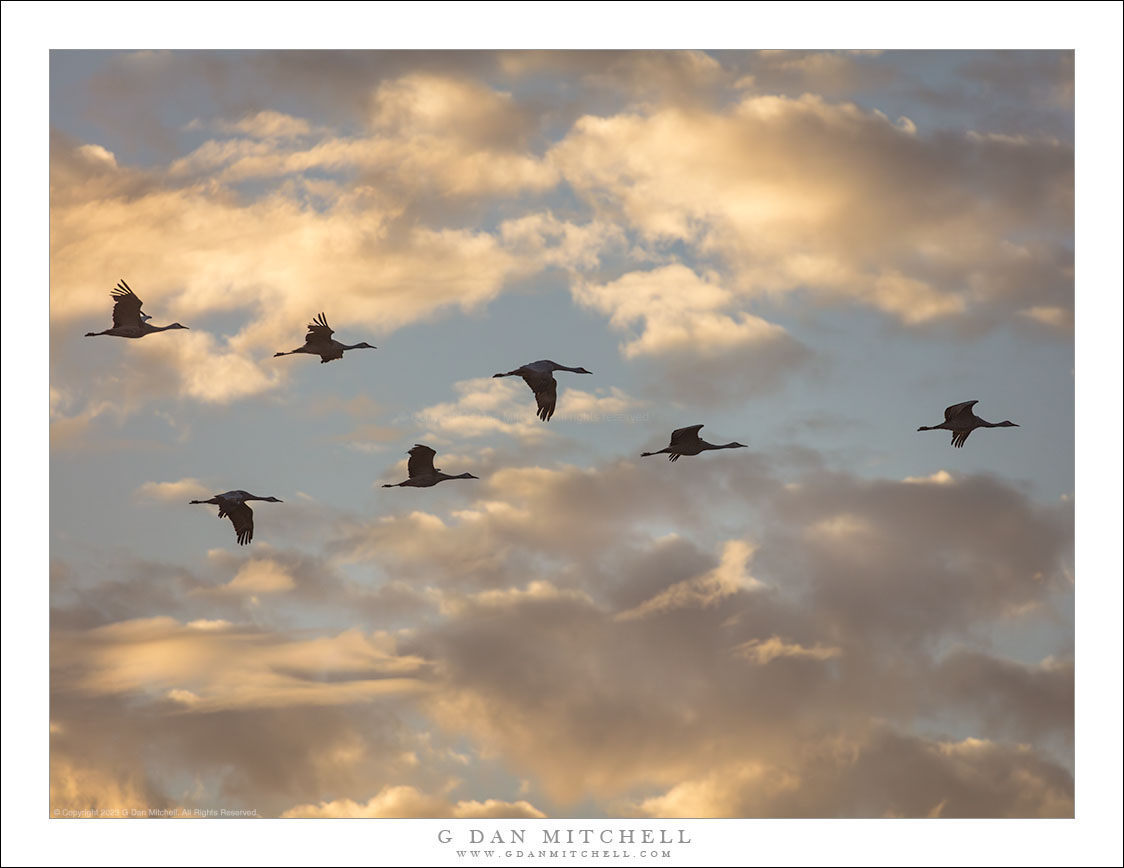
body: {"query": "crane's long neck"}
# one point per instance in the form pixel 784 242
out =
pixel 152 328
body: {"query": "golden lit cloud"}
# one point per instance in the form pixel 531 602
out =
pixel 690 327
pixel 174 492
pixel 679 311
pixel 406 801
pixel 1052 316
pixel 259 576
pixel 78 786
pixel 957 781
pixel 801 194
pixel 762 652
pixel 486 406
pixel 269 124
pixel 729 577
pixel 940 477
pixel 211 669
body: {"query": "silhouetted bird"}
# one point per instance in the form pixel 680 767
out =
pixel 540 377
pixel 318 342
pixel 961 421
pixel 421 471
pixel 686 441
pixel 129 321
pixel 232 505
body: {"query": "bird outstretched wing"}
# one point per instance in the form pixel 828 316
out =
pixel 126 307
pixel 685 435
pixel 319 332
pixel 242 517
pixel 545 387
pixel 955 410
pixel 421 461
pixel 959 437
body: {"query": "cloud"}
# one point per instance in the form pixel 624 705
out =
pixel 830 73
pixel 697 342
pixel 162 657
pixel 174 492
pixel 588 717
pixel 122 751
pixel 729 577
pixel 1022 80
pixel 374 278
pixel 507 599
pixel 78 785
pixel 763 652
pixel 406 801
pixel 428 134
pixel 1051 316
pixel 268 124
pixel 860 575
pixel 886 775
pixel 817 667
pixel 663 76
pixel 939 477
pixel 176 241
pixel 677 309
pixel 97 154
pixel 839 204
pixel 486 406
pixel 424 104
pixel 525 517
pixel 259 576
pixel 554 242
pixel 1025 701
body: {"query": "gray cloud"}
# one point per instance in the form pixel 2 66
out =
pixel 851 602
pixel 812 621
pixel 886 774
pixel 1026 702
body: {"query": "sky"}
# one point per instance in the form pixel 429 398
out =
pixel 810 252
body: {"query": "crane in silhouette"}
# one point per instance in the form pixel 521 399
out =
pixel 232 505
pixel 686 441
pixel 319 342
pixel 421 471
pixel 129 321
pixel 540 377
pixel 961 421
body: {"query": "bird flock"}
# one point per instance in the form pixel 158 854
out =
pixel 130 321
